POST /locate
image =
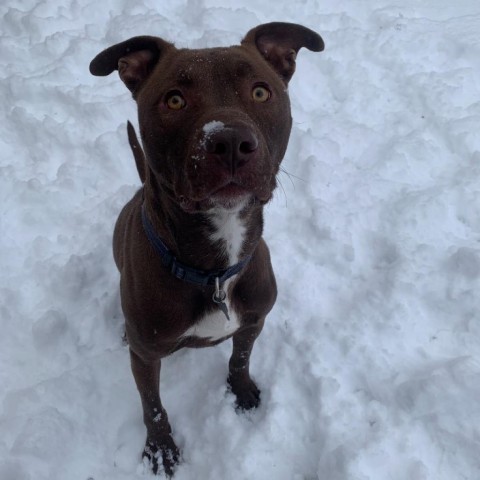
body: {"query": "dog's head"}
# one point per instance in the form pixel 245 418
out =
pixel 214 122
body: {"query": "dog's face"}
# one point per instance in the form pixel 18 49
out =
pixel 215 123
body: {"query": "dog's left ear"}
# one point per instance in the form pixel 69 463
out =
pixel 280 42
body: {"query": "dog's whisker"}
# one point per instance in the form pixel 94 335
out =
pixel 283 190
pixel 291 176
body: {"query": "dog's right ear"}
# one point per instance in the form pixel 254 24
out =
pixel 134 59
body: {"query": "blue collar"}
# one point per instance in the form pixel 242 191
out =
pixel 182 271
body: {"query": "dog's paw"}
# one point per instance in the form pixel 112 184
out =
pixel 246 391
pixel 167 451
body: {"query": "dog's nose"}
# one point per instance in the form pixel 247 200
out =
pixel 233 147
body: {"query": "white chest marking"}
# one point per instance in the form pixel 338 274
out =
pixel 215 325
pixel 230 229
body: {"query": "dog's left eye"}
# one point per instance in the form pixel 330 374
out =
pixel 175 101
pixel 260 94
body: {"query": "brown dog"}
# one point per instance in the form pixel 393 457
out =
pixel 194 268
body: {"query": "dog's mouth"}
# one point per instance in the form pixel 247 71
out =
pixel 228 196
pixel 230 191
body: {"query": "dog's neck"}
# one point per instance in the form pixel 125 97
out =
pixel 214 239
pixel 229 230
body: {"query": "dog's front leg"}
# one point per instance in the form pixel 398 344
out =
pixel 159 433
pixel 242 386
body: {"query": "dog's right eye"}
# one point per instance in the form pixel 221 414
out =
pixel 175 101
pixel 261 94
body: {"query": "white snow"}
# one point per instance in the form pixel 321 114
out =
pixel 212 127
pixel 369 363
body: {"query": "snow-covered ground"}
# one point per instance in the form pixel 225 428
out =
pixel 370 362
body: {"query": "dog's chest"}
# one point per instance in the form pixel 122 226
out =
pixel 228 235
pixel 214 325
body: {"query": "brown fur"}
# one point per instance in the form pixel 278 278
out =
pixel 188 171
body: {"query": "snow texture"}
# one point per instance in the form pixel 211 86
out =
pixel 369 363
pixel 212 127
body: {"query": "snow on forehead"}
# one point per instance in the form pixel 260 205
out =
pixel 213 126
